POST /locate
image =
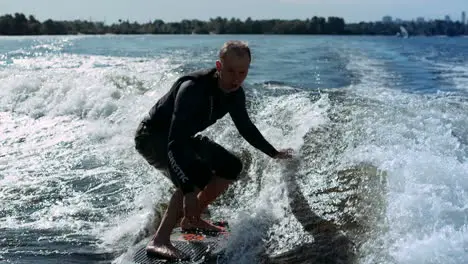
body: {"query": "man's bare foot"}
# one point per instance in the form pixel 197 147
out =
pixel 200 224
pixel 164 250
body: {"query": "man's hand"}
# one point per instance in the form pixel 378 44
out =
pixel 191 206
pixel 284 154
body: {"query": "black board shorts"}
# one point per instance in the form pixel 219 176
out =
pixel 152 145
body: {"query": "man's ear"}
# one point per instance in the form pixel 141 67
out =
pixel 219 65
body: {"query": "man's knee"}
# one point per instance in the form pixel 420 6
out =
pixel 233 171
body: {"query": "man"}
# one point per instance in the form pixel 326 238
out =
pixel 200 168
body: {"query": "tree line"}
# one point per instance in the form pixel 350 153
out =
pixel 19 24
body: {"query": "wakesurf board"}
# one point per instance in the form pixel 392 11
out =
pixel 200 246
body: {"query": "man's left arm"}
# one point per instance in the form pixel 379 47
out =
pixel 246 128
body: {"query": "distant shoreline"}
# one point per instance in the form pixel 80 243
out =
pixel 20 25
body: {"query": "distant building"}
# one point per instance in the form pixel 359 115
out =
pixel 463 18
pixel 420 20
pixel 398 20
pixel 447 18
pixel 387 19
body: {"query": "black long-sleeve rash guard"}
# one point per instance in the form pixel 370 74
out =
pixel 194 103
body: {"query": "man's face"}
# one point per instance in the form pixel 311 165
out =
pixel 233 71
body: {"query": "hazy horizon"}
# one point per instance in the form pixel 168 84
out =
pixel 142 11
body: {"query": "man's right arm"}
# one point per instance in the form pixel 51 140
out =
pixel 183 162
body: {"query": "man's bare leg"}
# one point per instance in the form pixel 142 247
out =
pixel 213 190
pixel 161 245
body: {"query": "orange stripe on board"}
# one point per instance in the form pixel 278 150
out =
pixel 193 237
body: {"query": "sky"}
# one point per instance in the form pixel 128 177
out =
pixel 110 11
